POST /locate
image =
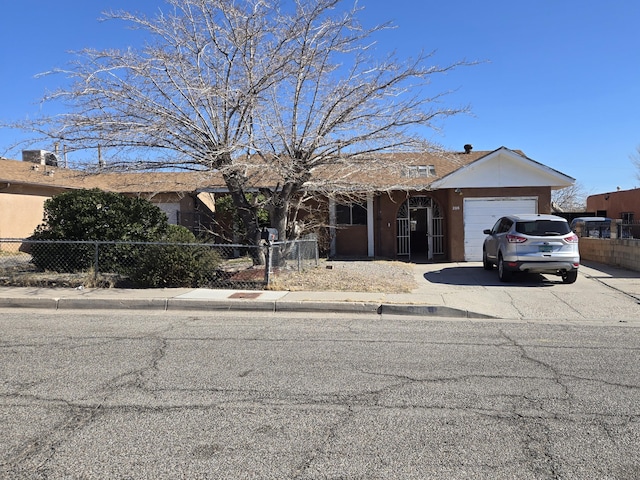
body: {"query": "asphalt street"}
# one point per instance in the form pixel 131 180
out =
pixel 311 396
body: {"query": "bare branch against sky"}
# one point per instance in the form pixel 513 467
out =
pixel 221 84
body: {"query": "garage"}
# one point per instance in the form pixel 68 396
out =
pixel 482 213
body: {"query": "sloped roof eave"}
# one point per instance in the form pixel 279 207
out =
pixel 449 180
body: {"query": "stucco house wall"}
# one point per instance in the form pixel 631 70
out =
pixel 614 204
pixel 20 214
pixel 22 208
pixel 351 241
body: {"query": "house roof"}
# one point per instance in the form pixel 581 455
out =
pixel 504 168
pixel 27 173
pixel 381 172
pixel 394 171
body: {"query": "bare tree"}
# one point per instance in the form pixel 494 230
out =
pixel 342 106
pixel 265 92
pixel 635 159
pixel 570 199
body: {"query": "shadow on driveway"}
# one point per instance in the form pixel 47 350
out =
pixel 478 276
pixel 600 270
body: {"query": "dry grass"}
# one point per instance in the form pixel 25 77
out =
pixel 377 276
pixel 349 276
pixel 59 280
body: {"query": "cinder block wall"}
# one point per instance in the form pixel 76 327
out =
pixel 620 252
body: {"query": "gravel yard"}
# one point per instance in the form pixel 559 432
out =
pixel 349 276
pixel 384 276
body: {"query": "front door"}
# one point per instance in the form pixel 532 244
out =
pixel 419 232
pixel 419 228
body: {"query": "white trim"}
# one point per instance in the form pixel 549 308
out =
pixel 504 168
pixel 332 226
pixel 370 235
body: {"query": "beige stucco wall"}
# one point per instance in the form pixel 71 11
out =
pixel 20 214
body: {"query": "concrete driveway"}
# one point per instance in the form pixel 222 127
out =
pixel 600 294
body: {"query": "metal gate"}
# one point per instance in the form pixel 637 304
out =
pixel 435 231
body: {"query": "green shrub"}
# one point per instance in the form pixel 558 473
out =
pixel 189 265
pixel 94 215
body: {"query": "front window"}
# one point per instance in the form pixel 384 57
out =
pixel 351 214
pixel 418 171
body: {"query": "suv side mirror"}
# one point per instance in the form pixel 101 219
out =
pixel 487 231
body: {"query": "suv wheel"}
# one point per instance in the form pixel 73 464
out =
pixel 570 277
pixel 503 274
pixel 486 264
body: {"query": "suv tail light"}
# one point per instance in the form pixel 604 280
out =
pixel 571 239
pixel 516 239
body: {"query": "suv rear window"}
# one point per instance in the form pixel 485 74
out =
pixel 543 228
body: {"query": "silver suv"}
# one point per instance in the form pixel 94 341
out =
pixel 532 243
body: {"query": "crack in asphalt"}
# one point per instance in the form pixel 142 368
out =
pixel 77 416
pixel 326 440
pixel 537 437
pixel 39 451
pixel 525 356
pixel 35 454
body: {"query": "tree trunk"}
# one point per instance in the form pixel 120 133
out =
pixel 247 214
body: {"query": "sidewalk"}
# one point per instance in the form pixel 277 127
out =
pixel 230 300
pixel 444 290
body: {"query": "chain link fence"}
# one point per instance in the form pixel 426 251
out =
pixel 92 264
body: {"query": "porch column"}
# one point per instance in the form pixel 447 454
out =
pixel 370 245
pixel 332 226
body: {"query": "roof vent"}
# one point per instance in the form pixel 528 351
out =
pixel 467 148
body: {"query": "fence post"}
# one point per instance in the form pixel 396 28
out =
pixel 95 263
pixel 317 251
pixel 298 247
pixel 267 264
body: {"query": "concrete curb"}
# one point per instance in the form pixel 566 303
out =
pixel 111 304
pixel 342 307
pixel 35 302
pixel 429 310
pixel 284 306
pixel 174 304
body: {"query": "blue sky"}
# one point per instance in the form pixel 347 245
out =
pixel 560 80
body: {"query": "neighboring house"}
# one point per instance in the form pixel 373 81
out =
pixel 621 204
pixel 428 207
pixel 26 185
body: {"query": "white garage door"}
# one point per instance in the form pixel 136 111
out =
pixel 482 213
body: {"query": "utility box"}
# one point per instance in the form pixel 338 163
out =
pixel 269 235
